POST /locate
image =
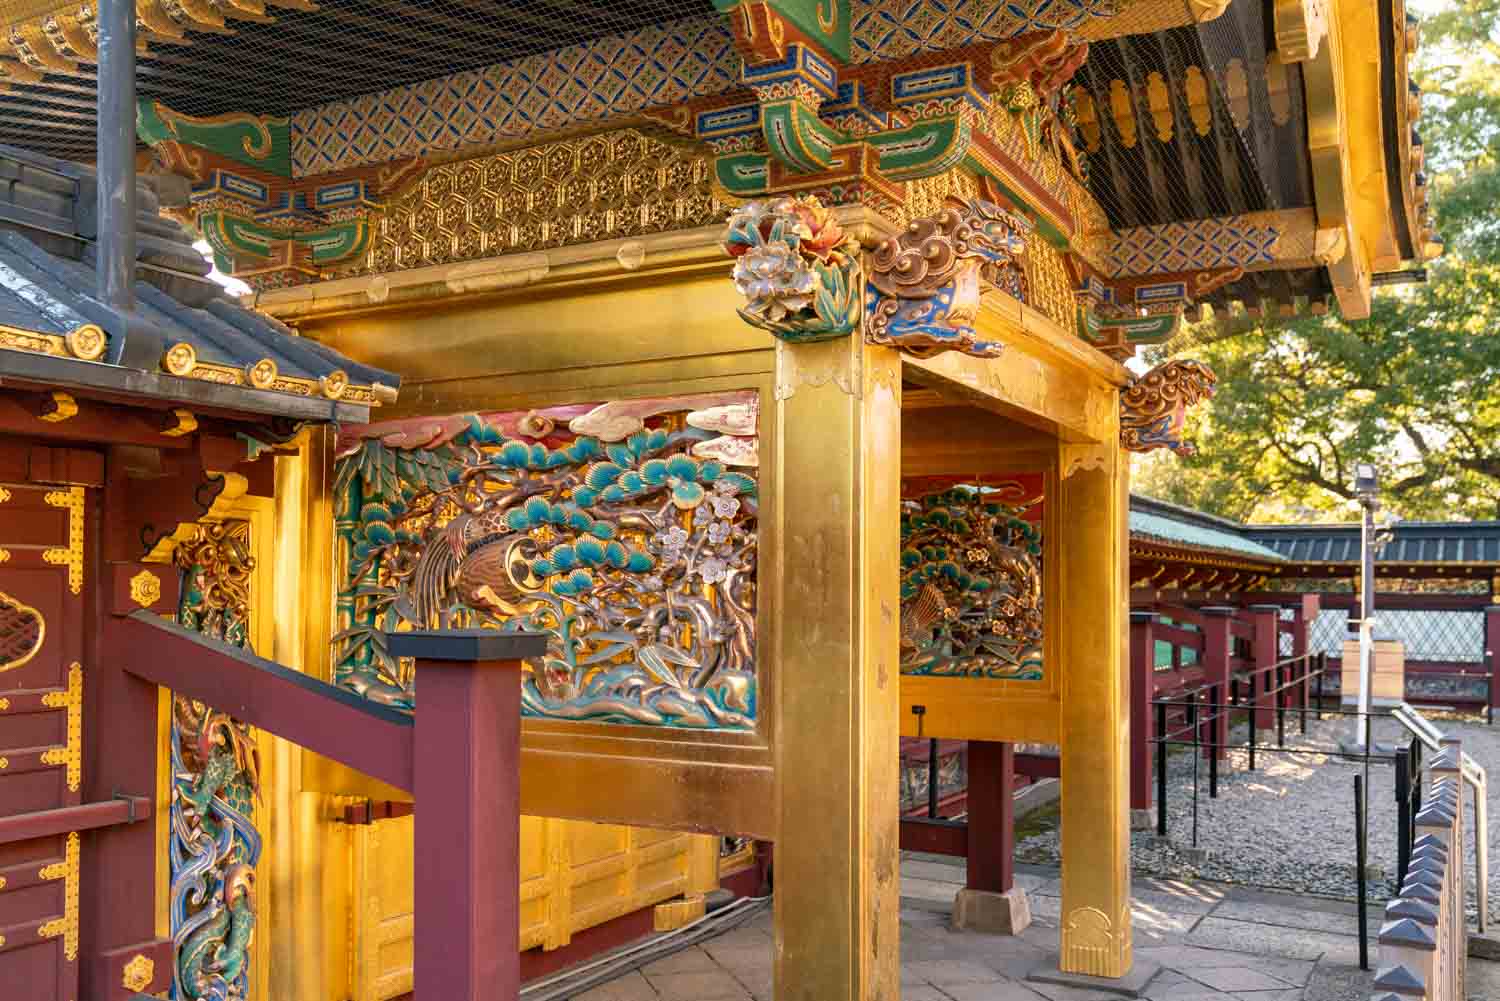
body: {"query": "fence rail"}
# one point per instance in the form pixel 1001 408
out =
pixel 1424 940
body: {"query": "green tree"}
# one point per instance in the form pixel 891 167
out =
pixel 1415 388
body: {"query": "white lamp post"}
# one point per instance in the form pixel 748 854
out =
pixel 1366 486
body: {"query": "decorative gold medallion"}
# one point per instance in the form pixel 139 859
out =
pixel 145 589
pixel 4 495
pixel 180 358
pixel 334 383
pixel 138 973
pixel 4 555
pixel 261 375
pixel 86 342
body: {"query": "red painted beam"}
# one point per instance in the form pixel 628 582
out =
pixel 84 817
pixel 1039 766
pixel 335 723
pixel 936 837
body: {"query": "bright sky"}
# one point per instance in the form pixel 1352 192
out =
pixel 233 285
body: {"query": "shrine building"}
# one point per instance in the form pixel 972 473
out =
pixel 696 397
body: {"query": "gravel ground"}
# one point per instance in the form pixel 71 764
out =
pixel 1289 825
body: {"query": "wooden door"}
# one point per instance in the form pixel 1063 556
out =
pixel 41 700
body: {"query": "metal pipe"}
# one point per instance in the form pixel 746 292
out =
pixel 932 779
pixel 1161 769
pixel 116 155
pixel 1359 862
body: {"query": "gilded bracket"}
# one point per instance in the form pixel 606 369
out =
pixel 67 924
pixel 1300 26
pixel 923 285
pixel 1153 408
pixel 71 754
pixel 72 556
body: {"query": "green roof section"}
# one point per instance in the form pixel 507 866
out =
pixel 1180 526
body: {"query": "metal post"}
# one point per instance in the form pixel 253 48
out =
pixel 932 779
pixel 1251 720
pixel 1161 769
pixel 1402 761
pixel 116 154
pixel 1197 750
pixel 1359 856
pixel 1213 743
pixel 1302 692
pixel 1280 708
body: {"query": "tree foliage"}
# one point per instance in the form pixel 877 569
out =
pixel 1415 388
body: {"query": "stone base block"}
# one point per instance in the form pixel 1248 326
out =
pixel 1484 946
pixel 1142 820
pixel 1007 913
pixel 1132 985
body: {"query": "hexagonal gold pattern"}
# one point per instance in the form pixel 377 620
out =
pixel 610 186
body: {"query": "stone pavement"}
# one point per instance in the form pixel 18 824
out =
pixel 1214 943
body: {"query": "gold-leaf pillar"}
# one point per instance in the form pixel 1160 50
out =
pixel 836 676
pixel 1090 615
pixel 305 927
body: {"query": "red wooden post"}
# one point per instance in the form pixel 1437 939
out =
pixel 992 816
pixel 991 902
pixel 1142 689
pixel 1266 647
pixel 468 826
pixel 1216 644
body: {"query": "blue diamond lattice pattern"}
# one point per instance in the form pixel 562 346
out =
pixel 592 82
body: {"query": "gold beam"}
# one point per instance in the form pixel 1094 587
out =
pixel 1045 379
pixel 837 750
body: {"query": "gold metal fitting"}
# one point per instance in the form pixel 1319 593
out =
pixel 181 358
pixel 334 383
pixel 86 342
pixel 261 375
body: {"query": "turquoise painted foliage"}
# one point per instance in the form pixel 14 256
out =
pixel 970 588
pixel 636 557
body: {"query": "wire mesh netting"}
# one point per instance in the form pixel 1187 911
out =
pixel 300 55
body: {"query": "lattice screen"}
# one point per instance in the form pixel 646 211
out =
pixel 1455 636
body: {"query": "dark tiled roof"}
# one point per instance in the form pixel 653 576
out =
pixel 1412 542
pixel 53 328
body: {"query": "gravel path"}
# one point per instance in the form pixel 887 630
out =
pixel 1289 825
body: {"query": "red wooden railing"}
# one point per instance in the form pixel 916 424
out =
pixel 459 756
